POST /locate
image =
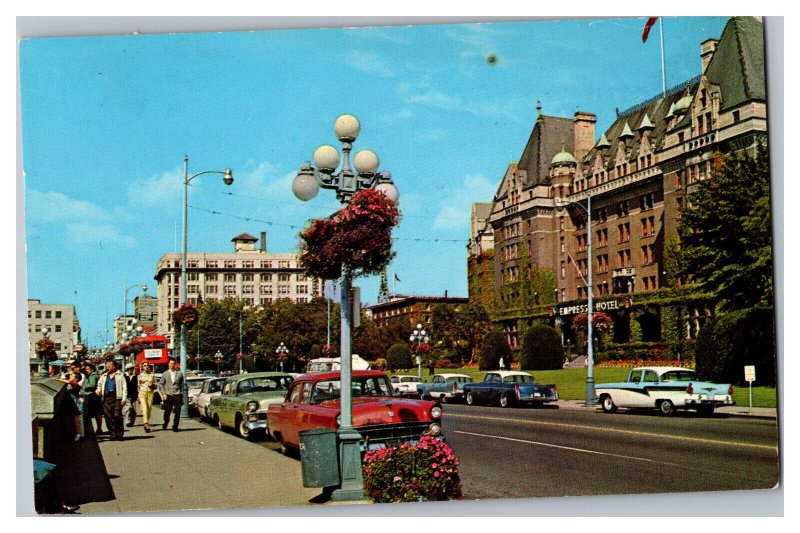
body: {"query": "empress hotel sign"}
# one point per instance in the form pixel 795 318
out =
pixel 608 305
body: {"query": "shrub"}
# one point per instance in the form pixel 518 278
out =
pixel 399 356
pixel 493 347
pixel 731 342
pixel 406 473
pixel 444 363
pixel 542 349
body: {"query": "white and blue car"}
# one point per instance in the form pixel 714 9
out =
pixel 664 388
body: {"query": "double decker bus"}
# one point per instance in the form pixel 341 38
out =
pixel 154 353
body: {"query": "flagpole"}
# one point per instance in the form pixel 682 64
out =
pixel 663 70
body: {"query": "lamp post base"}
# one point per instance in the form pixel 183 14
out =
pixel 590 394
pixel 352 487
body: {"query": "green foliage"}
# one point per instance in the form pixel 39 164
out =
pixel 426 471
pixel 726 232
pixel 399 357
pixel 730 342
pixel 542 349
pixel 493 347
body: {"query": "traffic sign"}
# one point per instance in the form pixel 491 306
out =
pixel 750 373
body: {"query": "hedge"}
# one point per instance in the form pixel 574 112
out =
pixel 493 347
pixel 542 349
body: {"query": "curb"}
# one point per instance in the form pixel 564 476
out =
pixel 579 405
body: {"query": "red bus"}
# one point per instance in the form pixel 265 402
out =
pixel 155 353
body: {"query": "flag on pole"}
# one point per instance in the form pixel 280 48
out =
pixel 647 26
pixel 396 278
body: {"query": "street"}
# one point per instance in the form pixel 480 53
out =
pixel 536 452
pixel 525 452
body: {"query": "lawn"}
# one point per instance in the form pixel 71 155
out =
pixel 571 382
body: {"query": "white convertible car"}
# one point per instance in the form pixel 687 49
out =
pixel 664 388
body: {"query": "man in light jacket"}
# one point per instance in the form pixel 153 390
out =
pixel 113 388
pixel 172 387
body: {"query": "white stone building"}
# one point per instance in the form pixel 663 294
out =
pixel 59 319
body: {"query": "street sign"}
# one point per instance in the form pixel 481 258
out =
pixel 750 373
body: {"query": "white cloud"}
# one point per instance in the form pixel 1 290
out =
pixel 454 211
pixel 93 234
pixel 370 63
pixel 169 185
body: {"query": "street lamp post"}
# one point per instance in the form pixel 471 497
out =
pixel 227 179
pixel 282 352
pixel 419 336
pixel 590 394
pixel 125 311
pixel 43 370
pixel 306 185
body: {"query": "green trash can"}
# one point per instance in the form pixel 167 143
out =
pixel 319 458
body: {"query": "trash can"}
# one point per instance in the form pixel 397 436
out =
pixel 319 458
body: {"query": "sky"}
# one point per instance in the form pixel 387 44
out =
pixel 106 122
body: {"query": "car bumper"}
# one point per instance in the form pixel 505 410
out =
pixel 256 421
pixel 719 401
pixel 537 399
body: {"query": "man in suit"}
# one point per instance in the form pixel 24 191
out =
pixel 113 388
pixel 133 394
pixel 172 387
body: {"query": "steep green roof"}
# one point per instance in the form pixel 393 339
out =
pixel 738 63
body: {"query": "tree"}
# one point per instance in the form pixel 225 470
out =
pixel 726 232
pixel 399 357
pixel 472 323
pixel 542 349
pixel 493 347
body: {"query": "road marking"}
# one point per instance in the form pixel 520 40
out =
pixel 583 450
pixel 614 430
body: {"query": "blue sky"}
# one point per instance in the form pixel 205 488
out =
pixel 106 121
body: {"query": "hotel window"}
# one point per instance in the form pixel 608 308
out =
pixel 211 289
pixel 283 277
pixel 283 289
pixel 48 314
pixel 646 201
pixel 266 277
pixel 230 264
pixel 301 300
pixel 301 277
pixel 37 327
pixel 38 314
pixel 648 254
pixel 703 171
pixel 649 160
pixel 193 289
pixel 230 277
pixel 602 263
pixel 301 289
pixel 247 264
pixel 735 117
pixel 708 121
pixel 602 237
pixel 700 124
pixel 266 264
pixel 563 295
pixel 58 328
pixel 192 263
pixel 248 289
pixel 679 179
pixel 563 249
pixel 192 276
pixel 266 301
pixel 624 258
pixel 211 276
pixel 247 277
pixel 563 269
pixel 212 264
pixel 176 263
pixel 284 264
pixel 623 208
pixel 600 215
pixel 680 137
pixel 58 346
pixel 266 289
pixel 580 293
pixel 229 290
pixel 561 223
pixel 624 232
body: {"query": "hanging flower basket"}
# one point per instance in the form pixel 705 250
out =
pixel 186 315
pixel 601 322
pixel 197 358
pixel 358 236
pixel 134 346
pixel 123 349
pixel 46 348
pixel 329 350
pixel 240 356
pixel 423 348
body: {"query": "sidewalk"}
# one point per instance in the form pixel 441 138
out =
pixel 733 410
pixel 199 467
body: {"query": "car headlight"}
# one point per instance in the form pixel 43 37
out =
pixel 252 406
pixel 435 429
pixel 436 412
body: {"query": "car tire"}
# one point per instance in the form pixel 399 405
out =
pixel 666 408
pixel 241 429
pixel 218 423
pixel 443 398
pixel 284 449
pixel 505 400
pixel 607 404
pixel 470 399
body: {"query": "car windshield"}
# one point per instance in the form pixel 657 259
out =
pixel 518 378
pixel 278 383
pixel 678 375
pixel 460 379
pixel 216 385
pixel 328 389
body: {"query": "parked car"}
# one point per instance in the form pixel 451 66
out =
pixel 444 387
pixel 212 387
pixel 193 385
pixel 379 415
pixel 405 385
pixel 508 388
pixel 664 388
pixel 245 398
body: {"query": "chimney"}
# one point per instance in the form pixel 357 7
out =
pixel 707 49
pixel 584 134
pixel 445 293
pixel 263 242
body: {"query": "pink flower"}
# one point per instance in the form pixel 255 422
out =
pixel 434 465
pixel 436 474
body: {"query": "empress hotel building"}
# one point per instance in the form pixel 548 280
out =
pixel 638 174
pixel 248 273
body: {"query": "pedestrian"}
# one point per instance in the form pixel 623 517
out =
pixel 133 394
pixel 146 384
pixel 92 404
pixel 112 387
pixel 71 404
pixel 172 387
pixel 502 364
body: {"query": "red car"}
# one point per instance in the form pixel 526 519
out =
pixel 379 415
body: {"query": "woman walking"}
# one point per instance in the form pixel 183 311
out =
pixel 146 386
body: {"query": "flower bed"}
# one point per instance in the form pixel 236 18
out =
pixel 644 362
pixel 427 471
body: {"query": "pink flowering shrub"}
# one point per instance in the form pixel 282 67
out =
pixel 408 473
pixel 359 236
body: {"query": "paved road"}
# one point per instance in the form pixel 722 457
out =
pixel 528 452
